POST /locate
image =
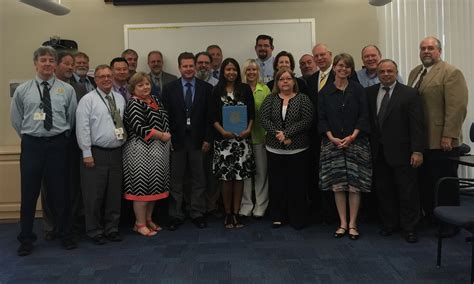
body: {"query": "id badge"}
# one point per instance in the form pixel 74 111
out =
pixel 39 116
pixel 119 133
pixel 188 121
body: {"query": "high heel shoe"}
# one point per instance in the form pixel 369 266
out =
pixel 237 222
pixel 152 226
pixel 139 228
pixel 353 236
pixel 338 234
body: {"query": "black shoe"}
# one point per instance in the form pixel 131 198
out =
pixel 353 236
pixel 174 224
pixel 411 237
pixel 49 236
pixel 237 221
pixel 200 222
pixel 25 249
pixel 69 244
pixel 114 237
pixel 385 232
pixel 257 217
pixel 99 240
pixel 340 232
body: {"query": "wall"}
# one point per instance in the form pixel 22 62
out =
pixel 345 25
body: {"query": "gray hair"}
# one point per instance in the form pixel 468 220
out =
pixel 45 50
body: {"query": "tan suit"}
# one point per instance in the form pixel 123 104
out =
pixel 444 94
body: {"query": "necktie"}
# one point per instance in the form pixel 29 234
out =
pixel 123 92
pixel 215 74
pixel 188 99
pixel 116 115
pixel 417 86
pixel 383 105
pixel 322 81
pixel 48 122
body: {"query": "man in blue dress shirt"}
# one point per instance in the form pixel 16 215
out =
pixel 42 113
pixel 264 49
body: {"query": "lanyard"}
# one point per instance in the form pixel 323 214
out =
pixel 109 109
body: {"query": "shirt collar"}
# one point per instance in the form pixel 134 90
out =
pixel 103 94
pixel 391 86
pixel 184 82
pixel 50 80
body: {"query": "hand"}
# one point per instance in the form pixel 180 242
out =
pixel 446 143
pixel 244 134
pixel 280 136
pixel 228 135
pixel 205 147
pixel 165 137
pixel 346 141
pixel 89 162
pixel 416 160
pixel 287 141
pixel 336 141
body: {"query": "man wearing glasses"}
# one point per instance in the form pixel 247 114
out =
pixel 264 49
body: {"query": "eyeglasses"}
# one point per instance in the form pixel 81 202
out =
pixel 285 79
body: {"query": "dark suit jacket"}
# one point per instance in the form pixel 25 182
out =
pixel 402 131
pixel 165 79
pixel 91 79
pixel 173 100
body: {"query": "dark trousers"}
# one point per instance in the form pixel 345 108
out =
pixel 397 193
pixel 102 191
pixel 437 165
pixel 213 193
pixel 77 208
pixel 187 162
pixel 44 160
pixel 288 188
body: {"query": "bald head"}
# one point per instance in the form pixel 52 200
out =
pixel 430 51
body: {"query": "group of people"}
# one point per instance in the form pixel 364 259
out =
pixel 309 143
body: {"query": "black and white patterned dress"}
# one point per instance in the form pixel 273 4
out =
pixel 233 158
pixel 146 161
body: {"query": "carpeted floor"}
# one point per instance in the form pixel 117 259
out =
pixel 254 254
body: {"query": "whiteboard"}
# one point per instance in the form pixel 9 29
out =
pixel 236 39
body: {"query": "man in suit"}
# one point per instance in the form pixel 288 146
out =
pixel 186 100
pixel 323 206
pixel 159 78
pixel 216 54
pixel 81 67
pixel 397 142
pixel 444 94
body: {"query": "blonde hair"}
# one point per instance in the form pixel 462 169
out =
pixel 246 65
pixel 136 79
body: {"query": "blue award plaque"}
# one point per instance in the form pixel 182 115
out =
pixel 234 118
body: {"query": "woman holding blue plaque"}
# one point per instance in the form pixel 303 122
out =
pixel 287 116
pixel 259 183
pixel 232 112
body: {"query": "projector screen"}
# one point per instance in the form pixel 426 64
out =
pixel 236 39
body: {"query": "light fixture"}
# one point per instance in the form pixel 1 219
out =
pixel 379 2
pixel 49 6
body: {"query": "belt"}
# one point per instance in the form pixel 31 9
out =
pixel 105 149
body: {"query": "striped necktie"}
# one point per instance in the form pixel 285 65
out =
pixel 48 122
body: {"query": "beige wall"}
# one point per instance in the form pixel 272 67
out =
pixel 346 25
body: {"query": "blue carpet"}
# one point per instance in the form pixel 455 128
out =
pixel 254 254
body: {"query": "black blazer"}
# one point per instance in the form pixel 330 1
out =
pixel 91 79
pixel 173 101
pixel 402 131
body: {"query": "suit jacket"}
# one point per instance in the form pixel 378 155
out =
pixel 165 79
pixel 91 79
pixel 444 94
pixel 173 100
pixel 402 131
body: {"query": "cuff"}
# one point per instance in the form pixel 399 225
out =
pixel 87 153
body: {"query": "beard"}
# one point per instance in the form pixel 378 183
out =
pixel 202 74
pixel 427 61
pixel 81 72
pixel 262 55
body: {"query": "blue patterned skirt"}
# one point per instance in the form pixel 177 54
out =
pixel 348 169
